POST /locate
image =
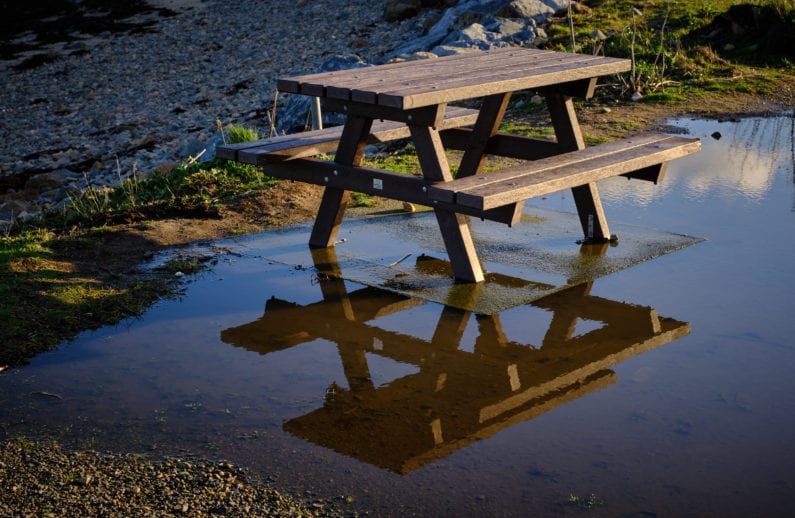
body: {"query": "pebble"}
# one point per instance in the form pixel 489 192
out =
pixel 37 476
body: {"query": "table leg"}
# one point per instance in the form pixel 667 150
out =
pixel 453 226
pixel 586 197
pixel 334 201
pixel 487 125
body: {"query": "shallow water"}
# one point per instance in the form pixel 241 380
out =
pixel 663 389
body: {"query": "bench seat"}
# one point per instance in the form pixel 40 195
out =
pixel 643 156
pixel 317 142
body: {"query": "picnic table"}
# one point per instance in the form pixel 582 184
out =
pixel 413 99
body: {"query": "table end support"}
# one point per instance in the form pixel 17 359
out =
pixel 329 217
pixel 460 247
pixel 591 213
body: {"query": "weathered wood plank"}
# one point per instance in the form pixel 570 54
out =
pixel 491 113
pixel 432 71
pixel 311 143
pixel 504 145
pixel 536 182
pixel 294 84
pixel 457 89
pixel 453 226
pixel 446 192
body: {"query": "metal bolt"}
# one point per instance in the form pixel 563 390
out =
pixel 325 179
pixel 424 189
pixel 336 172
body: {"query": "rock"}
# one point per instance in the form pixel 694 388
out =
pixel 534 9
pixel 294 116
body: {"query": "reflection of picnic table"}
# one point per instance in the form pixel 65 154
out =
pixel 410 100
pixel 454 396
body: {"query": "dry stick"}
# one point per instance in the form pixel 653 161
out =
pixel 633 81
pixel 272 117
pixel 662 44
pixel 571 27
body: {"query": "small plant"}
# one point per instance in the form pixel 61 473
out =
pixel 235 134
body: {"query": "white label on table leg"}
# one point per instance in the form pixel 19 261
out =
pixel 378 184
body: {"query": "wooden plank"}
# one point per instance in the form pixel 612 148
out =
pixel 586 197
pixel 457 89
pixel 425 116
pixel 504 145
pixel 473 68
pixel 538 183
pixel 339 84
pixel 294 84
pixel 376 182
pixel 311 143
pixel 472 76
pixel 432 71
pixel 446 192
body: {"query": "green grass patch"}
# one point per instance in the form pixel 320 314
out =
pixel 47 298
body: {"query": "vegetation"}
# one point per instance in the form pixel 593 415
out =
pixel 685 46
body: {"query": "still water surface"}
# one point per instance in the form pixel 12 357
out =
pixel 665 389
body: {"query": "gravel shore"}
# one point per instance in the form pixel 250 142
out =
pixel 41 480
pixel 117 102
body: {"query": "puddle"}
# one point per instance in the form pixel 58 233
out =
pixel 660 389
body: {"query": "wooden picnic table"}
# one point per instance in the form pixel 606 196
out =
pixel 411 98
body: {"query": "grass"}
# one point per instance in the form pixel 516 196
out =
pixel 47 299
pixel 672 49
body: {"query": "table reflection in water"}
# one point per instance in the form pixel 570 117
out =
pixel 454 396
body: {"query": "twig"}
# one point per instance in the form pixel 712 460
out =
pixel 392 265
pixel 571 27
pixel 192 159
pixel 272 116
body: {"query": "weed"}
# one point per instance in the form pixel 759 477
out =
pixel 362 200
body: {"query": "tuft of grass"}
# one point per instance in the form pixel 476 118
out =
pixel 235 134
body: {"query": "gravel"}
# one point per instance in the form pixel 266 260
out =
pixel 115 103
pixel 41 480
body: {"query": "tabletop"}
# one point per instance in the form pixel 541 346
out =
pixel 419 83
